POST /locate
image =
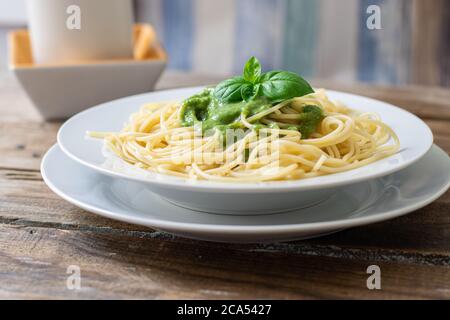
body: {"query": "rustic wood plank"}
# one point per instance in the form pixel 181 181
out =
pixel 14 105
pixel 440 128
pixel 40 234
pixel 26 201
pixel 424 234
pixel 425 102
pixel 131 266
pixel 24 144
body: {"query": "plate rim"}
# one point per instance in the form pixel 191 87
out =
pixel 237 230
pixel 260 187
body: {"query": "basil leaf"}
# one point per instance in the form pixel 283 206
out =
pixel 276 86
pixel 247 92
pixel 250 92
pixel 230 90
pixel 279 86
pixel 252 70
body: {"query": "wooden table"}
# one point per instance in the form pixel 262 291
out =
pixel 41 235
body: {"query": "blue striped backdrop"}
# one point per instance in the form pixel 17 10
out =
pixel 316 38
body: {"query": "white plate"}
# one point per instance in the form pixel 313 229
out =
pixel 356 205
pixel 252 198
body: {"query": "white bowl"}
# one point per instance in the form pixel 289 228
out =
pixel 60 91
pixel 240 198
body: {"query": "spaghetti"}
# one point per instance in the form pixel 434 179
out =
pixel 267 148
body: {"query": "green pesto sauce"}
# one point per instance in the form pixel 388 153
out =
pixel 310 119
pixel 206 112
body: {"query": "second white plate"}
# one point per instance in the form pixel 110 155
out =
pixel 356 205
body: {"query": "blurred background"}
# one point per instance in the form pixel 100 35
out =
pixel 321 39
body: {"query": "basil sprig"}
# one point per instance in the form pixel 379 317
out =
pixel 252 70
pixel 276 86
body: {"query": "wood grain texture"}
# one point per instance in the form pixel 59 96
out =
pixel 135 266
pixel 41 235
